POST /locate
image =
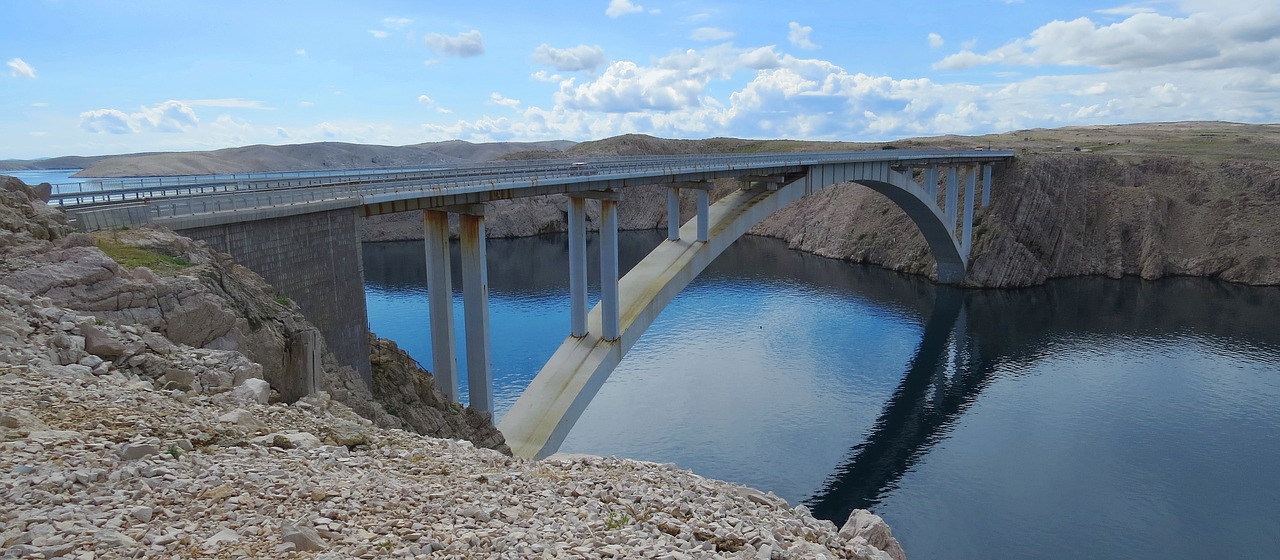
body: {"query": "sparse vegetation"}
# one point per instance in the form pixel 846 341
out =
pixel 132 256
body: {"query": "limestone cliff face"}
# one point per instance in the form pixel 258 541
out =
pixel 187 294
pixel 1071 215
pixel 1052 215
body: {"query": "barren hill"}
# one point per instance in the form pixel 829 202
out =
pixel 292 157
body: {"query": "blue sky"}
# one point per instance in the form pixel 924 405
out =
pixel 95 77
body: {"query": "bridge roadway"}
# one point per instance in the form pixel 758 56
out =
pixel 248 217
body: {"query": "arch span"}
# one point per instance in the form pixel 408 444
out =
pixel 544 413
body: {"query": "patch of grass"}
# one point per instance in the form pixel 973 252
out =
pixel 283 301
pixel 130 256
pixel 173 451
pixel 615 521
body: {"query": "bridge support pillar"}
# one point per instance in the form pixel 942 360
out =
pixel 673 214
pixel 609 270
pixel 703 215
pixel 986 185
pixel 578 267
pixel 970 188
pixel 475 309
pixel 444 361
pixel 953 198
pixel 931 182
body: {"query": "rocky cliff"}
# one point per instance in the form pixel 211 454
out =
pixel 1058 215
pixel 173 291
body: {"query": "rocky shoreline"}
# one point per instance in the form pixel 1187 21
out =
pixel 137 420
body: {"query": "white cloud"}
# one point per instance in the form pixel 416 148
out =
pixel 305 103
pixel 229 103
pixel 170 116
pixel 544 76
pixel 799 36
pixel 710 34
pixel 935 40
pixel 19 68
pixel 300 52
pixel 465 44
pixel 504 101
pixel 619 8
pixel 1219 36
pixel 379 34
pixel 396 23
pixel 40 104
pixel 581 57
pixel 282 133
pixel 428 101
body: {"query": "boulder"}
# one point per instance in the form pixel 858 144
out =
pixel 869 526
pixel 251 391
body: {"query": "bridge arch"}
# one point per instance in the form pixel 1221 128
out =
pixel 546 411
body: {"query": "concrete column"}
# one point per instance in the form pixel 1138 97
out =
pixel 609 270
pixel 970 189
pixel 475 309
pixel 931 182
pixel 953 199
pixel 444 360
pixel 986 185
pixel 578 266
pixel 673 214
pixel 704 219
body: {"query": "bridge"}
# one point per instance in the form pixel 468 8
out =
pixel 300 231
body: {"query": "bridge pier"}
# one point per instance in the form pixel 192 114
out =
pixel 475 304
pixel 970 186
pixel 578 266
pixel 673 214
pixel 475 309
pixel 444 360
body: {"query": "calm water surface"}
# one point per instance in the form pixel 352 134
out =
pixel 1089 418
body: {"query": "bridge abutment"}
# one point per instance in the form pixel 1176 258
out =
pixel 313 259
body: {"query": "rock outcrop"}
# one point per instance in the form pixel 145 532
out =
pixel 173 291
pixel 1059 215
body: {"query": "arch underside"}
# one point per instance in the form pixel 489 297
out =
pixel 544 413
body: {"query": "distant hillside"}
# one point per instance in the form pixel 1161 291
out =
pixel 293 157
pixel 319 155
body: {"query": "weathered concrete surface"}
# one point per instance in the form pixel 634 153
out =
pixel 313 259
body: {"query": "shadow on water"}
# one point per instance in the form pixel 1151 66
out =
pixel 969 334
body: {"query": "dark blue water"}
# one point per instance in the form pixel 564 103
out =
pixel 1089 418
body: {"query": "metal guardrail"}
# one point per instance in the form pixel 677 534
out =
pixel 145 204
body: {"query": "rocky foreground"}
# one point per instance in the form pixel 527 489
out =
pixel 118 441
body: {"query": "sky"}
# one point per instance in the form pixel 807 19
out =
pixel 90 77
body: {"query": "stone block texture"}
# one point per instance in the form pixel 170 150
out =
pixel 313 259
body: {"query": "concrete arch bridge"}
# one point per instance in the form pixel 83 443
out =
pixel 276 224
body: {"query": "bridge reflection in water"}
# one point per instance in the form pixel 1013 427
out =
pixel 943 378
